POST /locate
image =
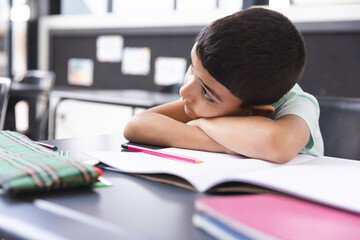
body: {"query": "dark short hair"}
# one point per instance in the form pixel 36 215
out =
pixel 258 54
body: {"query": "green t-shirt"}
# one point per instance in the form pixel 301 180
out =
pixel 304 105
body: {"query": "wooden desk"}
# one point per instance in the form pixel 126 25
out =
pixel 133 208
pixel 130 98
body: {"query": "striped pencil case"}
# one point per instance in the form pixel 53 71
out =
pixel 26 166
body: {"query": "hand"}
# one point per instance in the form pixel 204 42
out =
pixel 197 123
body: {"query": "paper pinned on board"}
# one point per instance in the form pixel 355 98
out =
pixel 169 70
pixel 136 61
pixel 109 48
pixel 80 71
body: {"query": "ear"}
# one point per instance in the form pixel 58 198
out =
pixel 261 110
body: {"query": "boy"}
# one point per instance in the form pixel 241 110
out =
pixel 240 94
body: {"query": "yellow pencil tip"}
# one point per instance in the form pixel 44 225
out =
pixel 198 161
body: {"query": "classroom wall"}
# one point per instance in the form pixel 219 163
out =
pixel 332 40
pixel 161 42
pixel 333 56
pixel 332 61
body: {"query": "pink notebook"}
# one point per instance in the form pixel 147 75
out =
pixel 263 216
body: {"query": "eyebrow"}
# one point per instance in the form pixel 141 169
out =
pixel 212 91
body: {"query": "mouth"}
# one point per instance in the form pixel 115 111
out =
pixel 189 111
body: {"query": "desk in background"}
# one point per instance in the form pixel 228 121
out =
pixel 130 98
pixel 133 208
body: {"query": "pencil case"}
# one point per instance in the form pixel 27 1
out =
pixel 25 166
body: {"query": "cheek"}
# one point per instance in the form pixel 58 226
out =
pixel 218 111
pixel 207 110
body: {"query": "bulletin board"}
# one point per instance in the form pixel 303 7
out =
pixel 64 45
pixel 332 62
pixel 332 58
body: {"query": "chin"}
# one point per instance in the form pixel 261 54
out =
pixel 190 114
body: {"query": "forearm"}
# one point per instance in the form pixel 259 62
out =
pixel 256 137
pixel 157 129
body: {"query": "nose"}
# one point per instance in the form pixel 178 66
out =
pixel 187 91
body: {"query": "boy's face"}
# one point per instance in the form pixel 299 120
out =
pixel 203 96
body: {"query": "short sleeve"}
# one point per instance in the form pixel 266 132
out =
pixel 306 107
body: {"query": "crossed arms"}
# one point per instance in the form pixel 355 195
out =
pixel 252 136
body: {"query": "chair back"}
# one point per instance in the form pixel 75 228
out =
pixel 4 96
pixel 340 126
pixel 44 80
pixel 32 87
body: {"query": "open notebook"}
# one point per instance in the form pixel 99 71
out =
pixel 332 181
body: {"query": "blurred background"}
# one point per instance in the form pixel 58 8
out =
pixel 84 67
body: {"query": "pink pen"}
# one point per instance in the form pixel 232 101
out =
pixel 54 148
pixel 161 154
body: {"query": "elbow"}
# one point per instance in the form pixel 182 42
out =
pixel 281 157
pixel 136 129
pixel 278 150
pixel 129 131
